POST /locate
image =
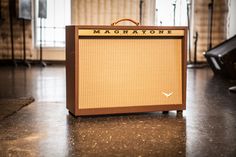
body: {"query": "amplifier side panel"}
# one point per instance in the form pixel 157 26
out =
pixel 184 67
pixel 71 36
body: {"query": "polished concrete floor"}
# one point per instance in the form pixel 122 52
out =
pixel 44 128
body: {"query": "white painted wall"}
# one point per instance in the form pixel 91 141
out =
pixel 232 19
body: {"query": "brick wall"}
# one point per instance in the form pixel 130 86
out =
pixel 5 40
pixel 219 30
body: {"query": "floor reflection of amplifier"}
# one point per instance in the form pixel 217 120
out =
pixel 125 69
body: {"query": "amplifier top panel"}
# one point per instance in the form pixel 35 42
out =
pixel 84 30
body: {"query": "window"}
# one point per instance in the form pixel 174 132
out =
pixel 171 12
pixel 53 27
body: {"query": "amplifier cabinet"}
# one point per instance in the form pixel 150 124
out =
pixel 125 69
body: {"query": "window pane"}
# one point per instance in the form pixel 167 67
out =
pixel 60 44
pixel 60 34
pixel 48 43
pixel 60 13
pixel 171 12
pixel 48 34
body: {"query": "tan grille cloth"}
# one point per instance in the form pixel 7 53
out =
pixel 129 72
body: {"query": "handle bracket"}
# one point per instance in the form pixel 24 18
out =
pixel 120 20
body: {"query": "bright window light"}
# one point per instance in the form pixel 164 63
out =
pixel 171 12
pixel 53 31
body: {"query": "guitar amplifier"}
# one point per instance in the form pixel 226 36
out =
pixel 125 69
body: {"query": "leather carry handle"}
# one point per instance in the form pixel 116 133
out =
pixel 120 20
